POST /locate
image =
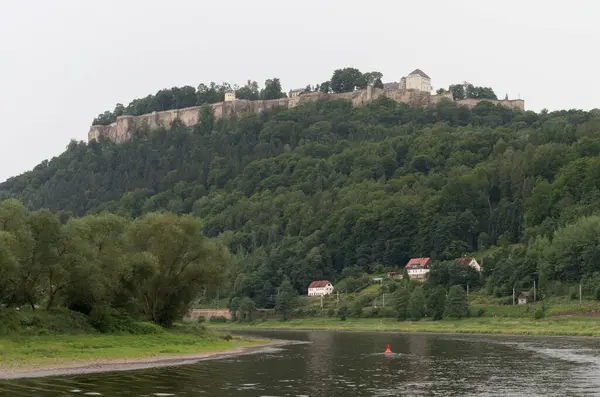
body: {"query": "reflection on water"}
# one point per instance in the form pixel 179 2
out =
pixel 353 364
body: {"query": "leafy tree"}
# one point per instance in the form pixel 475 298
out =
pixel 378 83
pixel 247 307
pixel 234 307
pixel 400 300
pixel 436 302
pixel 346 80
pixel 456 303
pixel 272 89
pixel 286 299
pixel 175 254
pixel 250 91
pixel 416 304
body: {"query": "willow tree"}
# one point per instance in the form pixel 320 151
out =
pixel 173 262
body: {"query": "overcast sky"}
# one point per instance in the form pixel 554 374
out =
pixel 64 61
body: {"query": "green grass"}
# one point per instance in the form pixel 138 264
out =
pixel 575 326
pixel 33 352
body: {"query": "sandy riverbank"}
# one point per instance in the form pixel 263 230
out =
pixel 93 366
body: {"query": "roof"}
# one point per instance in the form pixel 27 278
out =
pixel 420 73
pixel 391 86
pixel 319 284
pixel 465 261
pixel 298 89
pixel 419 262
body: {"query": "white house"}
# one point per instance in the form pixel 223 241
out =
pixel 418 80
pixel 472 262
pixel 418 267
pixel 296 93
pixel 229 96
pixel 320 288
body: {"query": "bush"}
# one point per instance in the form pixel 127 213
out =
pixel 108 320
pixel 227 337
pixel 58 321
pixel 539 314
pixel 480 312
pixel 201 319
pixel 218 319
pixel 9 321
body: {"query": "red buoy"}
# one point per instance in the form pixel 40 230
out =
pixel 387 348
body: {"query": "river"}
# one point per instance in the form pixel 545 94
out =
pixel 336 364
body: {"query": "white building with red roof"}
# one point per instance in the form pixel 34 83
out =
pixel 320 288
pixel 471 262
pixel 418 268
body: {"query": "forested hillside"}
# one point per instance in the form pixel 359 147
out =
pixel 309 191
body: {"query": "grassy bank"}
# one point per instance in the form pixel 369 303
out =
pixel 568 326
pixel 41 340
pixel 55 351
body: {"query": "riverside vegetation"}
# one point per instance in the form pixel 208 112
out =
pixel 103 287
pixel 327 191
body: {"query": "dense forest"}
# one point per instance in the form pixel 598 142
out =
pixel 307 192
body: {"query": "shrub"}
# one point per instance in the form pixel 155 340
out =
pixel 201 319
pixel 539 314
pixel 480 312
pixel 218 319
pixel 9 321
pixel 108 320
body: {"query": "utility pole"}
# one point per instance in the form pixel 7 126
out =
pixel 513 296
pixel 383 305
pixel 580 297
pixel 217 297
pixel 321 302
pixel 467 289
pixel 338 299
pixel 534 292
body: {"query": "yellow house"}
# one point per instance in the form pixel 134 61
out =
pixel 418 80
pixel 229 96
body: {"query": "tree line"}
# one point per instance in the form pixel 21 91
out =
pixel 305 193
pixel 149 268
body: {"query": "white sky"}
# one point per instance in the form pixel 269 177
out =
pixel 64 61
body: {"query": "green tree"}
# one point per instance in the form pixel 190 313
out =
pixel 286 300
pixel 247 307
pixel 178 252
pixel 400 300
pixel 345 80
pixel 436 303
pixel 416 304
pixel 457 305
pixel 272 89
pixel 234 307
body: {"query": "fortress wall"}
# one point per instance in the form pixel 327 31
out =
pixel 189 116
pixel 123 128
pixel 509 103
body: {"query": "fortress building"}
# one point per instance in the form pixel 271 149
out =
pixel 414 90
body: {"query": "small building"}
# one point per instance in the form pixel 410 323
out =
pixel 524 298
pixel 471 262
pixel 296 93
pixel 395 274
pixel 320 288
pixel 418 80
pixel 418 268
pixel 229 96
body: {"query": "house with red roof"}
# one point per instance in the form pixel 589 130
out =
pixel 471 262
pixel 418 268
pixel 320 288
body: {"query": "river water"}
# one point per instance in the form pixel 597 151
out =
pixel 353 364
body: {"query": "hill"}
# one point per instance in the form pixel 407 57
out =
pixel 309 191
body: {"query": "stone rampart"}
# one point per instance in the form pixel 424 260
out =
pixel 122 130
